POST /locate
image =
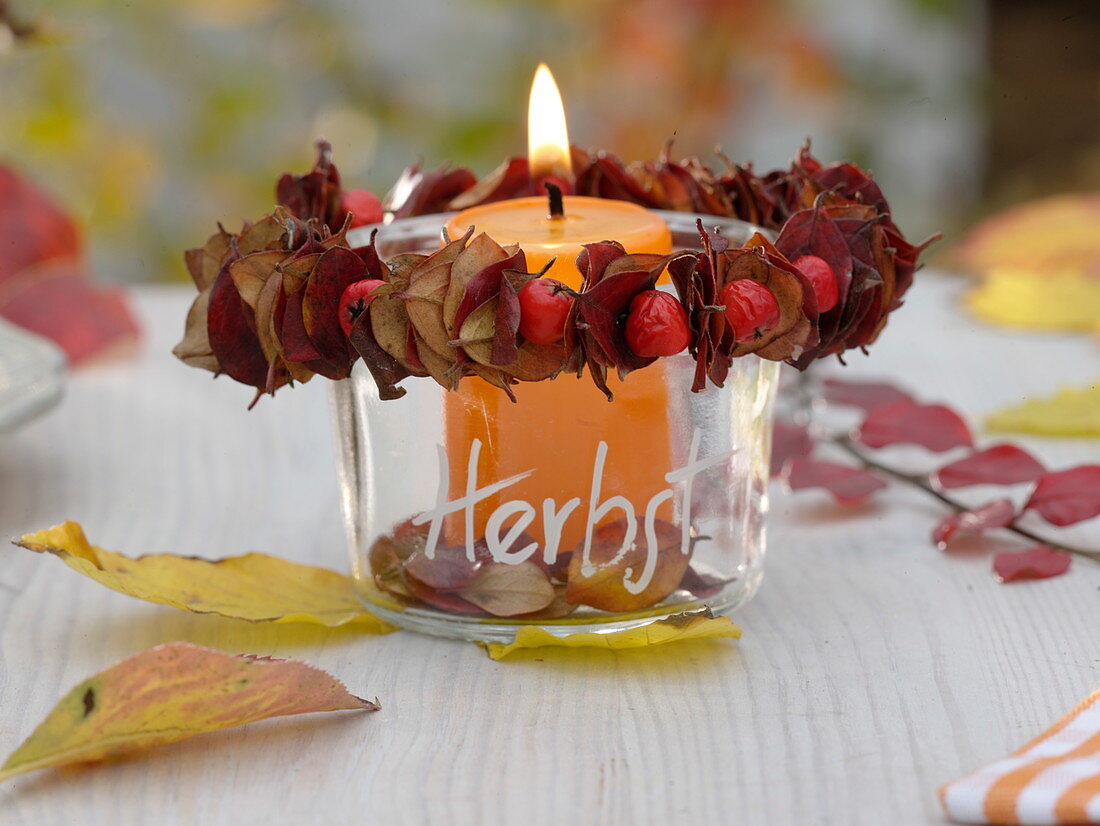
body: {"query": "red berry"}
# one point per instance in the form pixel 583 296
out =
pixel 542 311
pixel 750 307
pixel 355 300
pixel 364 206
pixel 657 325
pixel 822 278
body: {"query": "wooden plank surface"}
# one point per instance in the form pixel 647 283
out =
pixel 872 669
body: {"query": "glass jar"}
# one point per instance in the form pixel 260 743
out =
pixel 469 515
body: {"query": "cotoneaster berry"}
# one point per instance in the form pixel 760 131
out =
pixel 355 300
pixel 364 206
pixel 657 325
pixel 750 307
pixel 542 311
pixel 822 278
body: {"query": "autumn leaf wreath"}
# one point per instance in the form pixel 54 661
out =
pixel 288 297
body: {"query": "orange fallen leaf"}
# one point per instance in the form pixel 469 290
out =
pixel 170 693
pixel 1039 263
pixel 254 587
pixel 1050 234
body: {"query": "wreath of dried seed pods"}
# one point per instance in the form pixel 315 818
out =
pixel 269 303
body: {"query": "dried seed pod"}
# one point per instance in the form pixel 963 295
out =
pixel 315 196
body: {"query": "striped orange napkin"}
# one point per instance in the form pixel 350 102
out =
pixel 1054 779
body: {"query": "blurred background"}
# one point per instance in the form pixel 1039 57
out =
pixel 152 119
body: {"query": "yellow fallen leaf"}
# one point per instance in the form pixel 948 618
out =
pixel 1072 412
pixel 253 587
pixel 1063 300
pixel 169 693
pixel 690 625
pixel 1056 233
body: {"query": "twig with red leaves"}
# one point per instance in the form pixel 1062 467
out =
pixel 924 482
pixel 893 417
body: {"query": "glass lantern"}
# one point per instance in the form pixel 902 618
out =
pixel 469 515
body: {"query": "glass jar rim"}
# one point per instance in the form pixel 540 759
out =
pixel 424 231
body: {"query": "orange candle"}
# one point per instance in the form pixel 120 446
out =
pixel 526 221
pixel 574 416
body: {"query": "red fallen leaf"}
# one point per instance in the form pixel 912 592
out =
pixel 33 228
pixel 789 441
pixel 444 601
pixel 1067 497
pixel 43 284
pixel 60 303
pixel 1039 562
pixel 848 485
pixel 995 514
pixel 998 465
pixel 931 426
pixel 448 570
pixel 703 585
pixel 866 395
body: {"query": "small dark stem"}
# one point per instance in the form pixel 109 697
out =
pixel 846 444
pixel 557 202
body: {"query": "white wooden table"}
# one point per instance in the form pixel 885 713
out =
pixel 872 668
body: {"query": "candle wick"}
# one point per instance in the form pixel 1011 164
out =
pixel 557 205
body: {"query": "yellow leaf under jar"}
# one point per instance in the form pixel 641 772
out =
pixel 690 625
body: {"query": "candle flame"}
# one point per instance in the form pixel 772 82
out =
pixel 547 136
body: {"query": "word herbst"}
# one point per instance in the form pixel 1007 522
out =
pixel 554 517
